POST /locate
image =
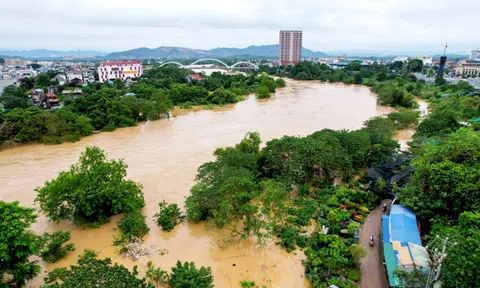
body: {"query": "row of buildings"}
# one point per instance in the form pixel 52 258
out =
pixel 80 73
pixel 290 53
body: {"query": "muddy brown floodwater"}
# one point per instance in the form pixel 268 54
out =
pixel 164 155
pixel 404 136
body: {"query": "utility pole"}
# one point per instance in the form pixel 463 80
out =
pixel 437 257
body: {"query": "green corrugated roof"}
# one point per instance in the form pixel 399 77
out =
pixel 391 264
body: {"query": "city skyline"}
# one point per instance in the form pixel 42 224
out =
pixel 365 25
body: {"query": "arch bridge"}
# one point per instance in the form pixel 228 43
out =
pixel 221 64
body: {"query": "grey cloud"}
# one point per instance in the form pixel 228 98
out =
pixel 327 25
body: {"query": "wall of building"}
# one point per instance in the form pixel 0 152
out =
pixel 290 47
pixel 109 71
pixel 475 55
pixel 467 68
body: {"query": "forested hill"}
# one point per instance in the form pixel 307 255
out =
pixel 186 53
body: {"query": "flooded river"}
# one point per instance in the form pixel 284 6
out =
pixel 164 155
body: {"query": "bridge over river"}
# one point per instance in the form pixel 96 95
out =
pixel 241 65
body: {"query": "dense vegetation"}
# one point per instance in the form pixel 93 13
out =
pixel 445 195
pixel 18 243
pixel 91 191
pixel 93 272
pixel 183 275
pixel 247 191
pixel 107 107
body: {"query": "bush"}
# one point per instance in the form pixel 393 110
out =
pixel 187 275
pixel 353 274
pixel 132 227
pixel 404 118
pixel 352 226
pixel 289 237
pixel 263 92
pixel 247 284
pixel 51 246
pixel 280 83
pixel 168 216
pixel 186 105
pixel 156 276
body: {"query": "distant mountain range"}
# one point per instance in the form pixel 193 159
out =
pixel 188 53
pixel 50 54
pixel 164 52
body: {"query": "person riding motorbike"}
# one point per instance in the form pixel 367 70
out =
pixel 384 206
pixel 372 240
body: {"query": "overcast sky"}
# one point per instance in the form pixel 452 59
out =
pixel 115 25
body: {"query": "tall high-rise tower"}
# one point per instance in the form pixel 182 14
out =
pixel 290 47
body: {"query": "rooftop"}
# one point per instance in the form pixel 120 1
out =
pixel 402 246
pixel 111 63
pixel 196 77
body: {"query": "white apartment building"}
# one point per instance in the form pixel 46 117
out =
pixel 475 55
pixel 109 71
pixel 74 75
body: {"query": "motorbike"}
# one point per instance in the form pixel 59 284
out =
pixel 371 241
pixel 384 207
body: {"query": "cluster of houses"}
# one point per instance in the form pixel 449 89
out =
pixel 49 100
pixel 68 71
pixel 38 98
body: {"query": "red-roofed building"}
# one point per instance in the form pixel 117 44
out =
pixel 52 101
pixel 194 77
pixel 109 71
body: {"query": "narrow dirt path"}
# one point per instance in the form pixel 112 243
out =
pixel 372 270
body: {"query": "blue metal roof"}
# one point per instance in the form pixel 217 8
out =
pixel 385 230
pixel 404 225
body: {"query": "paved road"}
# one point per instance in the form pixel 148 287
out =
pixel 372 270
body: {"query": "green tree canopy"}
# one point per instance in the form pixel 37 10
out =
pixel 186 275
pixel 415 65
pixel 91 191
pixel 17 244
pixel 262 92
pixel 463 260
pixel 447 177
pixel 93 272
pixel 42 81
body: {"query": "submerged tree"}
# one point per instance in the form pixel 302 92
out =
pixel 52 245
pixel 17 244
pixel 93 272
pixel 168 216
pixel 91 191
pixel 187 275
